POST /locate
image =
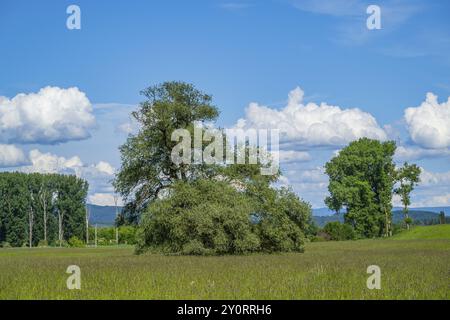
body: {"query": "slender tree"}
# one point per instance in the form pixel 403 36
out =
pixel 408 177
pixel 116 198
pixel 95 236
pixel 31 220
pixel 441 217
pixel 88 215
pixel 43 194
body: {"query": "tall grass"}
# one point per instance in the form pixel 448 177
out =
pixel 411 269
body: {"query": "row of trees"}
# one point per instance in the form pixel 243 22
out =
pixel 362 181
pixel 41 208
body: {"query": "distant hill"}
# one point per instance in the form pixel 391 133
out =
pixel 102 215
pixel 327 212
pixel 105 215
pixel 323 212
pixel 418 216
pixel 432 209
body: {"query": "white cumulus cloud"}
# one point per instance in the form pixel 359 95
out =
pixel 428 124
pixel 50 163
pixel 288 156
pixel 414 153
pixel 312 124
pixel 104 199
pixel 11 156
pixel 434 201
pixel 52 115
pixel 428 178
pixel 99 175
pixel 105 167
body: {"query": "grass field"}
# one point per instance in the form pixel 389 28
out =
pixel 410 269
pixel 426 232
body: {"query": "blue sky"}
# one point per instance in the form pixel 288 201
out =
pixel 240 52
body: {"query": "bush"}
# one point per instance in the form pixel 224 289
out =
pixel 201 218
pixel 339 231
pixel 5 244
pixel 209 217
pixel 74 242
pixel 408 220
pixel 42 244
pixel 55 243
pixel 321 236
pixel 283 220
pixel 195 247
pixel 397 228
pixel 127 235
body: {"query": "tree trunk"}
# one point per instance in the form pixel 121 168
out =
pixel 96 236
pixel 386 224
pixel 60 228
pixel 42 197
pixel 30 222
pixel 87 226
pixel 405 210
pixel 45 221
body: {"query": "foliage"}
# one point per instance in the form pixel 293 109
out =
pixel 127 235
pixel 107 235
pixel 147 168
pixel 22 194
pixel 283 219
pixel 339 231
pixel 193 208
pixel 408 177
pixel 203 217
pixel 212 217
pixel 362 177
pixel 420 217
pixel 42 244
pixel 74 242
pixel 442 217
pixel 5 244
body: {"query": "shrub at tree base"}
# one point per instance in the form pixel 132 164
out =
pixel 338 231
pixel 74 242
pixel 212 217
pixel 5 244
pixel 42 244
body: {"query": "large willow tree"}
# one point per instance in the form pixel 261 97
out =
pixel 198 208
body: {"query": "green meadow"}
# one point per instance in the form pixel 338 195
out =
pixel 414 265
pixel 426 232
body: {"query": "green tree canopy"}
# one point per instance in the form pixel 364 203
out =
pixel 147 168
pixel 40 197
pixel 361 180
pixel 408 176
